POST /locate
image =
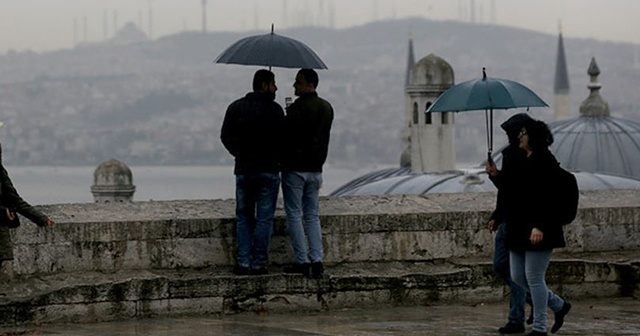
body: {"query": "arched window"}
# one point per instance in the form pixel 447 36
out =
pixel 427 120
pixel 415 113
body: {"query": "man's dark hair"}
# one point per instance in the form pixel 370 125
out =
pixel 262 76
pixel 310 75
pixel 540 137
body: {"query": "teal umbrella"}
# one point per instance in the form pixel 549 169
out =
pixel 486 94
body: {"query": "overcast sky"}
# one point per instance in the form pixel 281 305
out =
pixel 49 24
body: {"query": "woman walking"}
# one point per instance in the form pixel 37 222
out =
pixel 535 230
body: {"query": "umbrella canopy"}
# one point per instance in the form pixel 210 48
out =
pixel 486 94
pixel 271 50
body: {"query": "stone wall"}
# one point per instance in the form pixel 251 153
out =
pixel 195 234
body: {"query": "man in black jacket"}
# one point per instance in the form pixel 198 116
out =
pixel 251 132
pixel 308 124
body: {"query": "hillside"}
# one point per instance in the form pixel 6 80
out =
pixel 162 101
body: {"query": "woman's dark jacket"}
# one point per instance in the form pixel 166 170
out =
pixel 532 203
pixel 308 125
pixel 9 198
pixel 513 158
pixel 252 133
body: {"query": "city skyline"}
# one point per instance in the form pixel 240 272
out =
pixel 43 26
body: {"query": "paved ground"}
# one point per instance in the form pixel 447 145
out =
pixel 598 317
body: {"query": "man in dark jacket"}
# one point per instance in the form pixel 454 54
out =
pixel 251 132
pixel 513 159
pixel 12 203
pixel 308 124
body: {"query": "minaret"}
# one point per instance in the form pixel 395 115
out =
pixel 405 158
pixel 204 16
pixel 562 107
pixel 432 134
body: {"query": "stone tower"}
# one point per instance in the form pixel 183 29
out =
pixel 432 134
pixel 561 107
pixel 112 183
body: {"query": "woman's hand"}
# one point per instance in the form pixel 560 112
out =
pixel 536 236
pixel 491 168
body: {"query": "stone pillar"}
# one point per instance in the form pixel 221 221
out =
pixel 112 183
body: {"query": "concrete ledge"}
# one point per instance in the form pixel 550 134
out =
pixel 102 297
pixel 117 261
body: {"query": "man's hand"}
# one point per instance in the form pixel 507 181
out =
pixel 536 236
pixel 493 225
pixel 49 222
pixel 491 169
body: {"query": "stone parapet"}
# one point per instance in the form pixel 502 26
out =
pixel 119 261
pixel 191 234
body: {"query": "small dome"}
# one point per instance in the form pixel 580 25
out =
pixel 112 182
pixel 112 173
pixel 432 70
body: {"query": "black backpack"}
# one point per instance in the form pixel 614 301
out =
pixel 566 196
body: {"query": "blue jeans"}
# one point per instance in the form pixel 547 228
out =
pixel 301 192
pixel 528 270
pixel 517 297
pixel 256 196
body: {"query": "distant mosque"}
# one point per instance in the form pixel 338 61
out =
pixel 602 151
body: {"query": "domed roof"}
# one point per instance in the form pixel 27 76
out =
pixel 112 173
pixel 395 181
pixel 595 141
pixel 432 70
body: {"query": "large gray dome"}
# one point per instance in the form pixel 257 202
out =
pixel 400 181
pixel 599 144
pixel 595 141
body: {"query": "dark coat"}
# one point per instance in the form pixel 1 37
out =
pixel 513 159
pixel 252 133
pixel 308 126
pixel 9 198
pixel 533 203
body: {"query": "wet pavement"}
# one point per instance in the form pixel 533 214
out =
pixel 588 317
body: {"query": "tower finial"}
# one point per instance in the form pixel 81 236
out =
pixel 560 26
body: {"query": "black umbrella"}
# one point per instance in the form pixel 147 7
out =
pixel 271 50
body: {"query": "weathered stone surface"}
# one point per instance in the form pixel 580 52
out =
pixel 103 262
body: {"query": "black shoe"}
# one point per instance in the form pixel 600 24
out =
pixel 241 270
pixel 537 333
pixel 298 269
pixel 559 317
pixel 317 270
pixel 530 319
pixel 512 328
pixel 259 271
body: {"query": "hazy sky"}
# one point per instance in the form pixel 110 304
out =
pixel 49 24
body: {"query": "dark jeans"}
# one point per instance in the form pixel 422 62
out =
pixel 256 196
pixel 517 298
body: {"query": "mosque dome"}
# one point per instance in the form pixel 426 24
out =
pixel 431 70
pixel 595 141
pixel 400 181
pixel 112 182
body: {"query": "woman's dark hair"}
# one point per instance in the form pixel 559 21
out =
pixel 262 76
pixel 540 136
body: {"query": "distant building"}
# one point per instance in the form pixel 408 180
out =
pixel 602 151
pixel 129 34
pixel 113 183
pixel 562 99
